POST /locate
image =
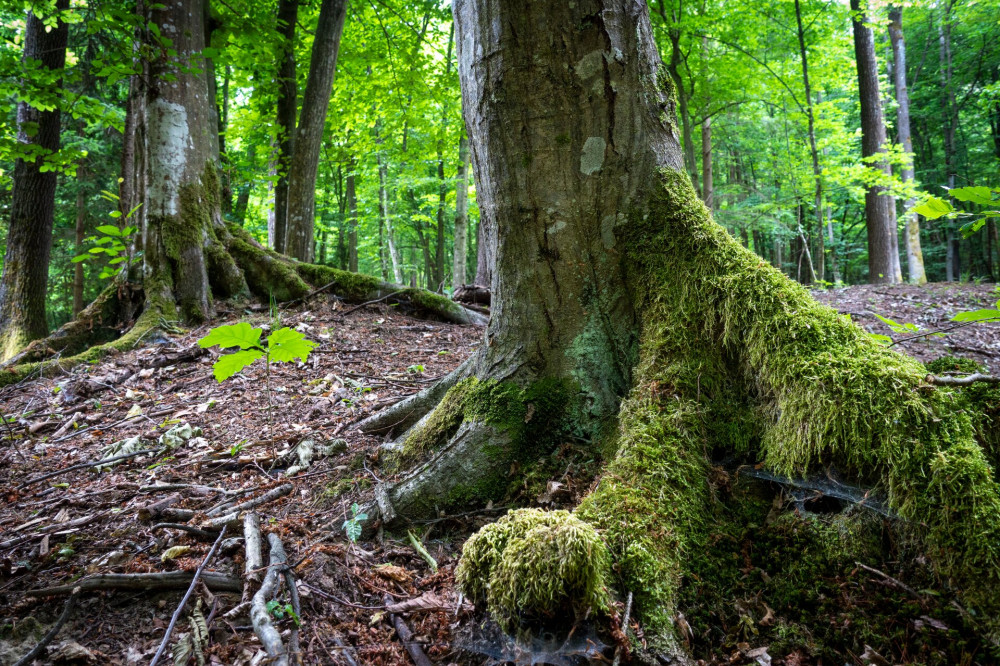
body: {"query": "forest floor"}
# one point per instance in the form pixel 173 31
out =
pixel 77 523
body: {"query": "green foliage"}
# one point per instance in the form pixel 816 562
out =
pixel 278 611
pixel 114 243
pixel 283 345
pixel 352 526
pixel 934 207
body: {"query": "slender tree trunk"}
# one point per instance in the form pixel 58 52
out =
pixel 437 281
pixel 32 209
pixel 914 255
pixel 352 220
pixel 707 187
pixel 385 220
pixel 309 135
pixel 81 227
pixel 460 249
pixel 811 118
pixel 880 210
pixel 227 187
pixel 948 119
pixel 287 105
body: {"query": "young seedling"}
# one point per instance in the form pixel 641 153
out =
pixel 282 346
pixel 352 526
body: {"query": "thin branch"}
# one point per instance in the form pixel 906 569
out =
pixel 967 380
pixel 187 595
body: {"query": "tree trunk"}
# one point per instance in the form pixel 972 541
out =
pixel 81 227
pixel 624 316
pixel 309 135
pixel 287 105
pixel 460 249
pixel 813 151
pixel 914 255
pixel 948 121
pixel 32 208
pixel 352 220
pixel 385 219
pixel 707 187
pixel 880 209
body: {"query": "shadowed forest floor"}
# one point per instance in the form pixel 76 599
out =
pixel 78 523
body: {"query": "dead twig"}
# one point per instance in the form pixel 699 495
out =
pixel 894 581
pixel 406 638
pixel 51 633
pixel 967 380
pixel 184 600
pixel 171 580
pixel 92 463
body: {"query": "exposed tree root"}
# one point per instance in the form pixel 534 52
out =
pixel 123 314
pixel 733 357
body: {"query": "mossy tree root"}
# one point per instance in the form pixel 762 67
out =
pixel 735 357
pixel 272 275
pixel 98 329
pixel 406 413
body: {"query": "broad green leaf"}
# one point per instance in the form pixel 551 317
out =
pixel 934 208
pixel 241 335
pixel 230 364
pixel 979 195
pixel 286 344
pixel 977 315
pixel 109 230
pixel 80 257
pixel 115 214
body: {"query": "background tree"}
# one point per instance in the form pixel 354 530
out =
pixel 29 241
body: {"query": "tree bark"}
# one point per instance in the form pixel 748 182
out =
pixel 385 219
pixel 707 187
pixel 624 315
pixel 309 135
pixel 880 209
pixel 352 220
pixel 32 209
pixel 81 226
pixel 811 117
pixel 287 105
pixel 914 255
pixel 460 243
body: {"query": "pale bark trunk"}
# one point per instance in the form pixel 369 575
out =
pixel 813 151
pixel 309 135
pixel 953 268
pixel 81 225
pixel 287 106
pixel 914 255
pixel 385 219
pixel 461 215
pixel 32 210
pixel 880 211
pixel 352 220
pixel 707 187
pixel 181 219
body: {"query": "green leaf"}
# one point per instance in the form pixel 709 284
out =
pixel 109 229
pixel 80 257
pixel 115 214
pixel 934 208
pixel 978 195
pixel 230 364
pixel 241 335
pixel 285 344
pixel 977 315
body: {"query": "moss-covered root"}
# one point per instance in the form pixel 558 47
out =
pixel 827 391
pixel 532 566
pixel 148 321
pixel 269 274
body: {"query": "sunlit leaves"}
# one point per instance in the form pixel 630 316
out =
pixel 283 345
pixel 241 335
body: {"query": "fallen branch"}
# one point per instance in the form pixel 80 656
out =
pixel 898 583
pixel 293 593
pixel 196 532
pixel 51 633
pixel 171 580
pixel 967 380
pixel 406 638
pixel 184 600
pixel 254 561
pixel 371 302
pixel 259 615
pixel 49 529
pixel 234 510
pixel 92 463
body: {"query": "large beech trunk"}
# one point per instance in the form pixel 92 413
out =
pixel 624 317
pixel 32 210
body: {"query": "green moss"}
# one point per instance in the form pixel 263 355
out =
pixel 267 273
pixel 428 300
pixel 356 287
pixel 531 565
